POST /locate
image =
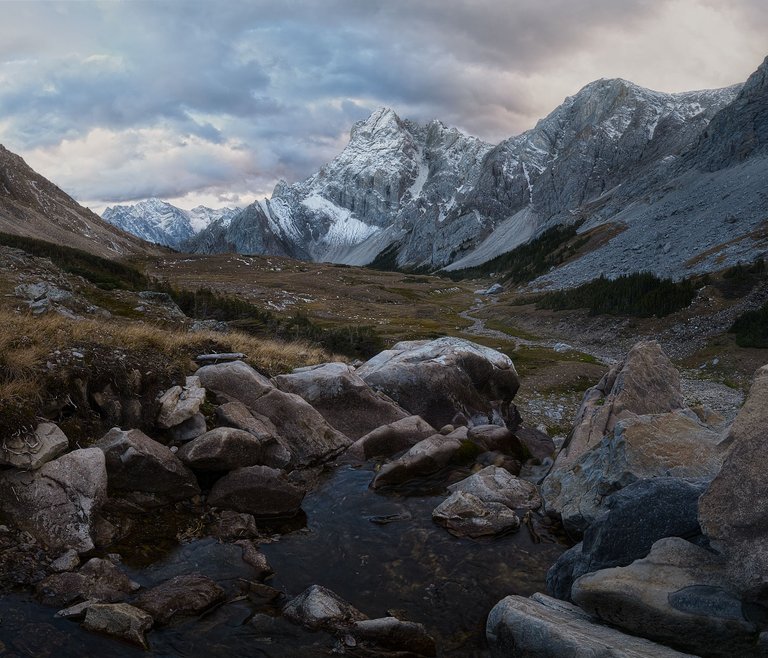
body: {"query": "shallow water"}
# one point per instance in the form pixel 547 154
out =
pixel 380 552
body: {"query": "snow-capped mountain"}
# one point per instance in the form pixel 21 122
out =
pixel 615 154
pixel 434 197
pixel 160 222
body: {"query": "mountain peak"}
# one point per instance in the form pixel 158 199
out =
pixel 382 121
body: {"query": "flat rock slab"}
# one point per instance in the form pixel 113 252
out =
pixel 497 485
pixel 58 503
pixel 395 635
pixel 678 595
pixel 342 397
pixel 30 452
pixel 119 620
pixel 179 597
pixel 258 490
pixel 540 626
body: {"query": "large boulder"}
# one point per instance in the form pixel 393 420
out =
pixel 675 444
pixel 342 397
pixel 236 414
pixel 185 595
pixel 58 503
pixel 144 471
pixel 236 380
pixel 634 519
pixel 427 456
pixel 734 510
pixel 497 485
pixel 645 382
pixel 30 452
pixel 540 626
pixel 300 427
pixel 258 490
pixel 677 595
pixel 465 515
pixel 178 404
pixel 394 437
pixel 441 378
pixel 224 449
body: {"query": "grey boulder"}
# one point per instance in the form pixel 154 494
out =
pixel 392 438
pixel 224 449
pixel 258 490
pixel 179 404
pixel 441 378
pixel 465 515
pixel 97 579
pixel 427 456
pixel 540 626
pixel 144 471
pixel 119 620
pixel 497 485
pixel 58 503
pixel 318 607
pixel 342 397
pixel 181 596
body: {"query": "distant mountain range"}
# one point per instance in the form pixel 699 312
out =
pixel 669 183
pixel 157 221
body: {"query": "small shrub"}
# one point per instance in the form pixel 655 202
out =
pixel 751 328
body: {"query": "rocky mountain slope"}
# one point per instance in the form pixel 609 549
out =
pixel 32 206
pixel 160 222
pixel 696 212
pixel 431 197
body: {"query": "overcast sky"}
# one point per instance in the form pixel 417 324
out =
pixel 213 102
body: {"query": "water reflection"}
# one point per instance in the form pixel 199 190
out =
pixel 380 552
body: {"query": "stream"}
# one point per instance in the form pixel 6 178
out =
pixel 380 552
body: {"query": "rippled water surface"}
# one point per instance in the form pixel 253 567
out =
pixel 380 552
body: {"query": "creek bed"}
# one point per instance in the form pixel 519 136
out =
pixel 379 551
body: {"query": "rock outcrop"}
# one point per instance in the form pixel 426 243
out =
pixel 257 490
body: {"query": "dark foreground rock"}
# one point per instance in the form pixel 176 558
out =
pixel 636 517
pixel 394 634
pixel 97 579
pixel 318 607
pixel 441 378
pixel 497 485
pixel 427 456
pixel 677 595
pixel 179 597
pixel 144 471
pixel 30 452
pixel 258 490
pixel 392 438
pixel 119 620
pixel 540 626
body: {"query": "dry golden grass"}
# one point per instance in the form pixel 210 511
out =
pixel 28 342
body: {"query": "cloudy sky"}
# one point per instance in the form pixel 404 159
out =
pixel 214 101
